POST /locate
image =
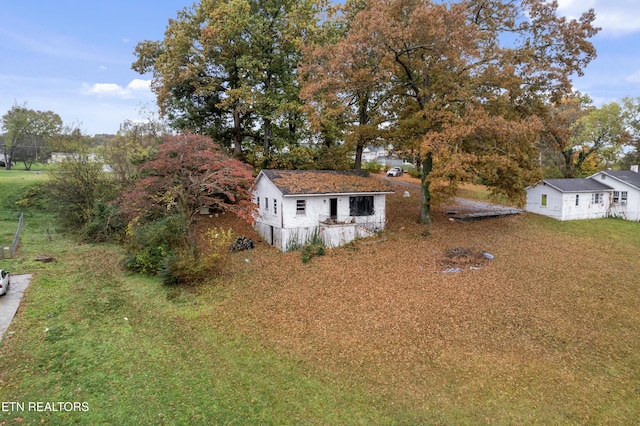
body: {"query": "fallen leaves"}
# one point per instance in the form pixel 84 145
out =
pixel 387 312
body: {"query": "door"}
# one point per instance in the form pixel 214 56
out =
pixel 333 208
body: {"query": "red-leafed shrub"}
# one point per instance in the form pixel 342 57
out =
pixel 188 173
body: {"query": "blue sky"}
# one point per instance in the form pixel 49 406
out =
pixel 74 57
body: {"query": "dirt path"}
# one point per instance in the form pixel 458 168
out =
pixel 460 205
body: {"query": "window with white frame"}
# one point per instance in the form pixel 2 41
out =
pixel 301 207
pixel 620 197
pixel 596 198
pixel 266 203
pixel 577 199
pixel 275 206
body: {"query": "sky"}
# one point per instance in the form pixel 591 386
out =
pixel 73 57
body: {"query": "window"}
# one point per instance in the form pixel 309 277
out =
pixel 577 199
pixel 361 206
pixel 266 203
pixel 543 200
pixel 620 197
pixel 275 206
pixel 258 201
pixel 301 207
pixel 596 198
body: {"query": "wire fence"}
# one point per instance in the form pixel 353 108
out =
pixel 7 252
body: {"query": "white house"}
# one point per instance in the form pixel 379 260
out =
pixel 625 198
pixel 606 193
pixel 569 199
pixel 337 205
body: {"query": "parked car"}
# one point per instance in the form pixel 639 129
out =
pixel 395 171
pixel 5 280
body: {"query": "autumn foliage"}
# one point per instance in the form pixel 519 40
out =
pixel 188 173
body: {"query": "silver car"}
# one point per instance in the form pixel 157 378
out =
pixel 395 171
pixel 5 280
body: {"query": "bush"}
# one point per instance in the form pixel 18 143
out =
pixel 193 265
pixel 104 224
pixel 75 187
pixel 414 173
pixel 313 247
pixel 372 167
pixel 151 243
pixel 309 251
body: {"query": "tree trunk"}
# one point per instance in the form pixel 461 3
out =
pixel 358 164
pixel 425 200
pixel 266 141
pixel 237 135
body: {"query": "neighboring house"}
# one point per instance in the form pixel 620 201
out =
pixel 606 193
pixel 372 153
pixel 337 205
pixel 569 199
pixel 625 198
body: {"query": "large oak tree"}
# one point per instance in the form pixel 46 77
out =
pixel 464 80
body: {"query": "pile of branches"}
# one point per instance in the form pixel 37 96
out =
pixel 241 244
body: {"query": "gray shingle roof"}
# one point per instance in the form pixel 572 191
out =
pixel 627 176
pixel 577 185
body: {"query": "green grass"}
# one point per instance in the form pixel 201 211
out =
pixel 137 352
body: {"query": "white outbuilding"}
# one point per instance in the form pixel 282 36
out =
pixel 338 206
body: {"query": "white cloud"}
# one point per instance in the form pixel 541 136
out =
pixel 116 91
pixel 616 18
pixel 139 84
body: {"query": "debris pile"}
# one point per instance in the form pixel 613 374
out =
pixel 458 259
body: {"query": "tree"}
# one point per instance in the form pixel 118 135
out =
pixel 27 131
pixel 456 68
pixel 599 136
pixel 560 120
pixel 228 69
pixel 135 142
pixel 631 116
pixel 343 83
pixel 189 172
pixel 78 187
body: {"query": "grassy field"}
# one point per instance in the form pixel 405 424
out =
pixel 548 332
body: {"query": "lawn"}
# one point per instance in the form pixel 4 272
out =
pixel 372 333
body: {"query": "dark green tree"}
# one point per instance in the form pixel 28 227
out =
pixel 227 69
pixel 27 133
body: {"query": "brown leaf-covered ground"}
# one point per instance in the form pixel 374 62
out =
pixel 546 331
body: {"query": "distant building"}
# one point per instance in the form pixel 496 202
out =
pixel 605 194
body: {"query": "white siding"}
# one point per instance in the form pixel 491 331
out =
pixel 630 211
pixel 554 201
pixel 287 227
pixel 562 205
